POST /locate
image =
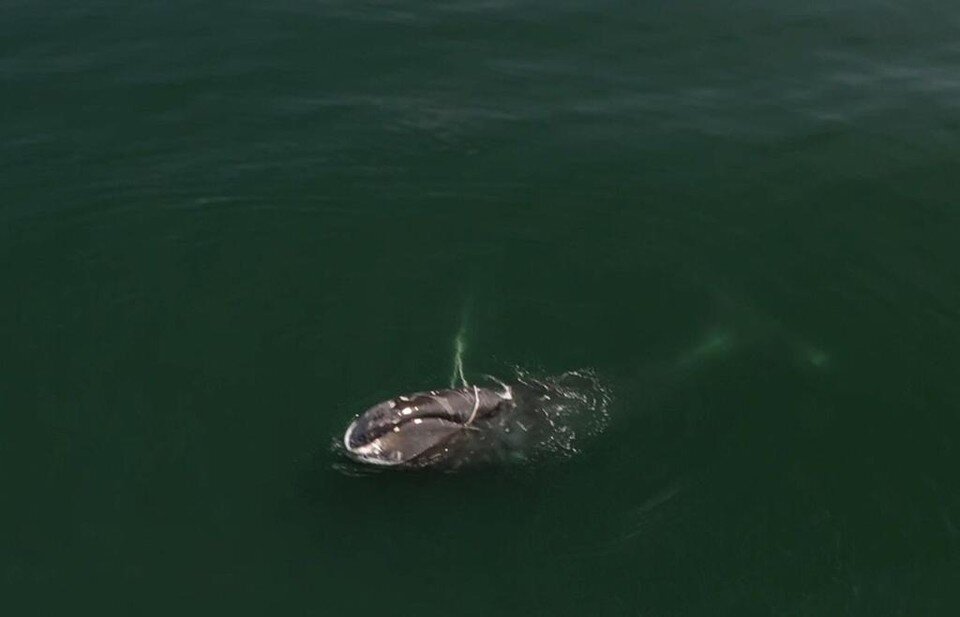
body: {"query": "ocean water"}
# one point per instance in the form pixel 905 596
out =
pixel 226 228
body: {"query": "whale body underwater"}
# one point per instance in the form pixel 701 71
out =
pixel 527 420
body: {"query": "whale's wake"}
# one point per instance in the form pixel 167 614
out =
pixel 555 414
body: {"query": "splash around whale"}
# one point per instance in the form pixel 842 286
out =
pixel 527 419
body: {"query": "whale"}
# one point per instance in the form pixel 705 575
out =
pixel 424 427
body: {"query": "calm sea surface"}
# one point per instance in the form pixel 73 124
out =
pixel 226 228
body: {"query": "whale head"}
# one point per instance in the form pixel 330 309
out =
pixel 412 428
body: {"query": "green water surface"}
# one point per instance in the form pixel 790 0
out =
pixel 227 227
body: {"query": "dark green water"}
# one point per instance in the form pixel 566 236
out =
pixel 225 228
